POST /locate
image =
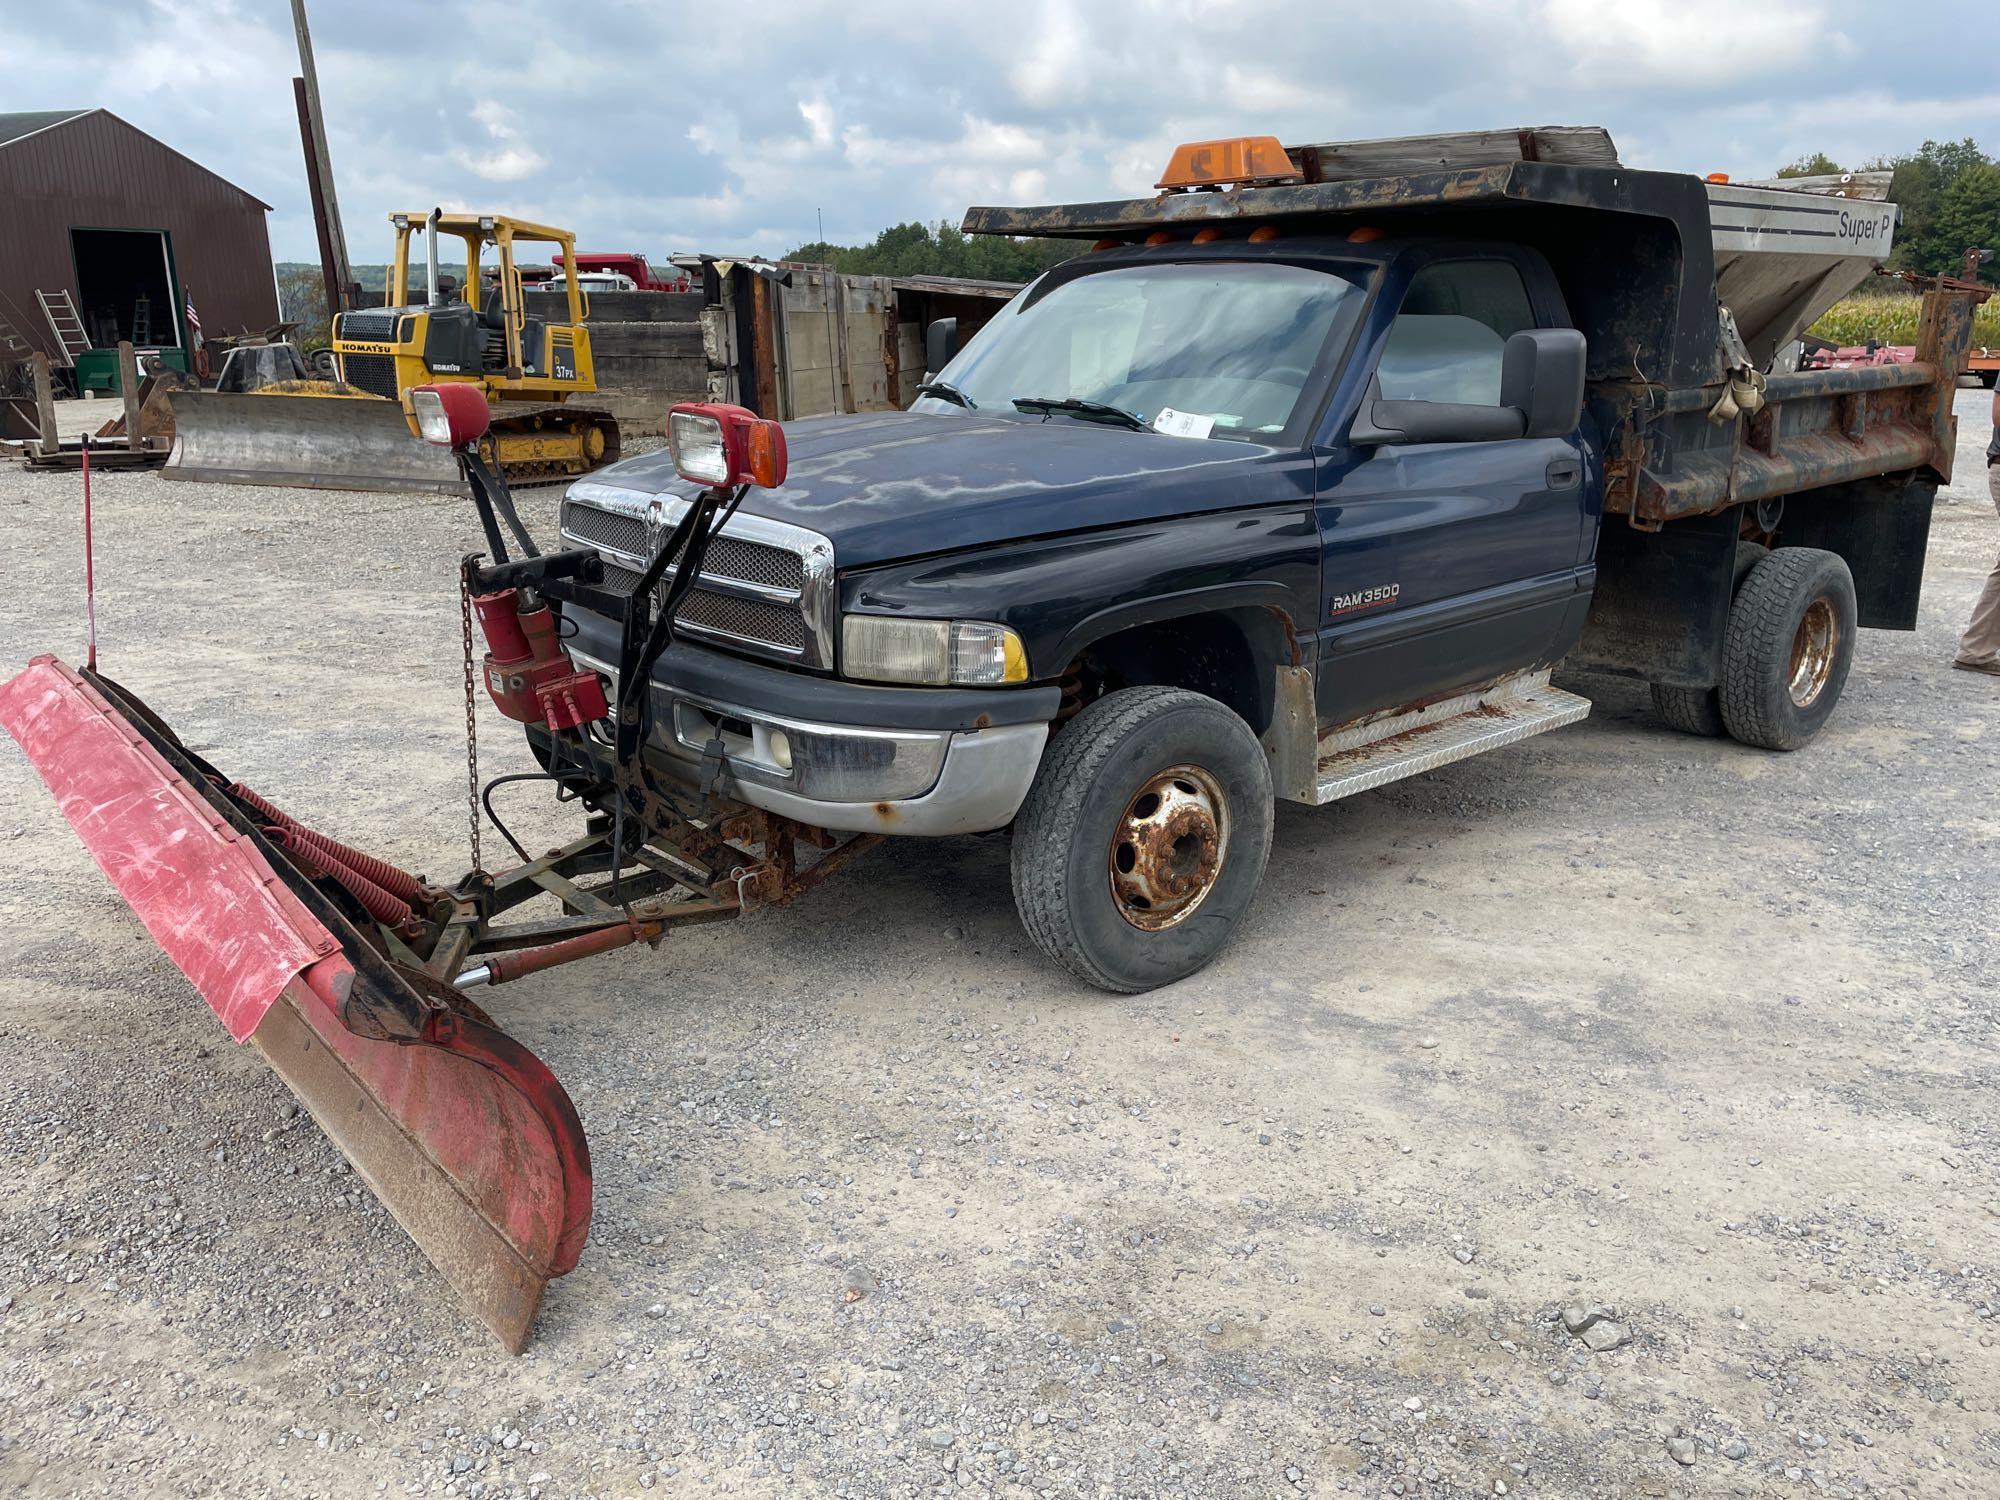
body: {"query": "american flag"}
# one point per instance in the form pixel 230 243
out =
pixel 193 321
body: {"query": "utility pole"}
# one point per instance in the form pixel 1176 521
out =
pixel 326 206
pixel 329 271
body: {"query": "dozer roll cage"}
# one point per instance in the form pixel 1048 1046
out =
pixel 478 231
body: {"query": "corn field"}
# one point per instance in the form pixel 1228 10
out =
pixel 1891 318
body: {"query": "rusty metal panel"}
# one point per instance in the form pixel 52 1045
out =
pixel 1944 340
pixel 97 172
pixel 1818 428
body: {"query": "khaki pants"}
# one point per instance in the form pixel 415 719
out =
pixel 1981 641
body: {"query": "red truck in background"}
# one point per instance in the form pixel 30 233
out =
pixel 627 263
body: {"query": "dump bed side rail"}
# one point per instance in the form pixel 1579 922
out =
pixel 1668 460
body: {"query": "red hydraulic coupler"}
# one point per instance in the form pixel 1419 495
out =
pixel 529 674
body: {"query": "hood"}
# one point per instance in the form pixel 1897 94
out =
pixel 884 486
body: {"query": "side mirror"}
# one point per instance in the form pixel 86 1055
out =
pixel 940 345
pixel 1541 395
pixel 1541 376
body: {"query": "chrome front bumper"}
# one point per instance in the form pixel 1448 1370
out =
pixel 927 782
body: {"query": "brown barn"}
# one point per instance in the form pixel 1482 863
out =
pixel 132 231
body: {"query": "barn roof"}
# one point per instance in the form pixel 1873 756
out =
pixel 18 127
pixel 33 121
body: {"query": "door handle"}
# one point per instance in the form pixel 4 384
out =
pixel 1565 473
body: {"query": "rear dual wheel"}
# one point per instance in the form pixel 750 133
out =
pixel 1786 652
pixel 1789 647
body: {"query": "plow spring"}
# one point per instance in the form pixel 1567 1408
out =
pixel 351 976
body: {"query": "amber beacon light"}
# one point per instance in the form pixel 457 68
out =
pixel 1246 160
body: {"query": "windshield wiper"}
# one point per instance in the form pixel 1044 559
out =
pixel 1090 411
pixel 945 390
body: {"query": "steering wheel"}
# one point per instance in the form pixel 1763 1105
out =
pixel 1303 374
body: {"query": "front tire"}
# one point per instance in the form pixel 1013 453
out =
pixel 1143 839
pixel 1789 646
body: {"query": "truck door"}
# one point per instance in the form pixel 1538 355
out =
pixel 1446 565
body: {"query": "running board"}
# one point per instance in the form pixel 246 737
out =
pixel 1374 754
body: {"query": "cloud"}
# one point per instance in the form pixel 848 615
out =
pixel 1055 65
pixel 1694 44
pixel 818 115
pixel 506 156
pixel 876 113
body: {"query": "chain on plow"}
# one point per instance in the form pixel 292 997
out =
pixel 471 714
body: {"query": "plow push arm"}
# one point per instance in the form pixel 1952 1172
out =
pixel 351 976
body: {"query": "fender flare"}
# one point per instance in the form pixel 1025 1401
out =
pixel 1272 598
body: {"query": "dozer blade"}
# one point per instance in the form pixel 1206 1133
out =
pixel 463 1133
pixel 317 442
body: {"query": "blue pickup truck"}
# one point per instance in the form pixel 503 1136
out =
pixel 1299 478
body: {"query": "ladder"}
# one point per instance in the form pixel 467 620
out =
pixel 71 340
pixel 142 319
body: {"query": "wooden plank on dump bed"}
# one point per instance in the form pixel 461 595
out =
pixel 1400 156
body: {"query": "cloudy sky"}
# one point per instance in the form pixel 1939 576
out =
pixel 665 126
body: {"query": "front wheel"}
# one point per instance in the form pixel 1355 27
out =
pixel 1144 837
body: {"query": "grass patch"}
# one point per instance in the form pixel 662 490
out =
pixel 1891 318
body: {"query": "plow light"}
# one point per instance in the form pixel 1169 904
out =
pixel 452 416
pixel 720 445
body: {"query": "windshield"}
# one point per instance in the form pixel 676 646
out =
pixel 1199 349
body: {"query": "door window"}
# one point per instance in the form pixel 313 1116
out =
pixel 1447 340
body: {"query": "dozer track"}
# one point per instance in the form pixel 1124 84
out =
pixel 549 442
pixel 317 439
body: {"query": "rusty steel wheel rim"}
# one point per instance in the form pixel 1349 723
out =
pixel 1168 847
pixel 1814 645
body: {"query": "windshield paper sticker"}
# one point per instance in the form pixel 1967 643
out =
pixel 1182 423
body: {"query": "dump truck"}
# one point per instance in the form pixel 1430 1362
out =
pixel 530 356
pixel 1302 477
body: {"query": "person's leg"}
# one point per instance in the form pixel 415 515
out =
pixel 1980 645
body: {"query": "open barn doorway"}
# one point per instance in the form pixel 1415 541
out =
pixel 124 286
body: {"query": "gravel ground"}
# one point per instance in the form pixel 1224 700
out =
pixel 1688 1046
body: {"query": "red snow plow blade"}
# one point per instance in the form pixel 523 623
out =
pixel 463 1133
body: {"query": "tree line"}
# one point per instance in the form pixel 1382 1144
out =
pixel 940 249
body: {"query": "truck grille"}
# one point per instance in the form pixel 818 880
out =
pixel 605 529
pixel 764 586
pixel 374 373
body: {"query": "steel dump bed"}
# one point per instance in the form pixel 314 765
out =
pixel 1640 256
pixel 1686 291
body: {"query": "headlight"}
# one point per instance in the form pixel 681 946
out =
pixel 433 425
pixel 695 439
pixel 967 653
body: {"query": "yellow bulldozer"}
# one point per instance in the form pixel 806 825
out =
pixel 529 353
